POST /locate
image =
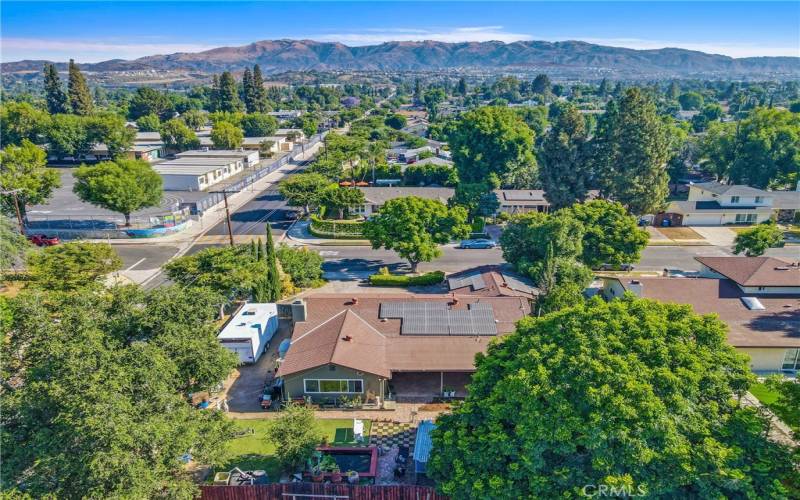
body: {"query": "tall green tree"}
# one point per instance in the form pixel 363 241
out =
pixel 177 136
pixel 491 140
pixel 149 101
pixel 228 94
pixel 194 119
pixel 226 136
pixel 20 120
pixel 122 186
pixel 610 234
pixel 57 101
pixel 762 150
pixel 273 275
pixel 461 87
pixel 68 135
pixel 13 244
pixel 110 129
pixel 542 85
pixel 247 90
pixel 630 151
pixel 303 190
pixel 24 169
pixel 259 93
pixel 633 394
pixel 757 240
pixel 341 199
pixel 72 266
pixel 563 171
pixel 257 124
pixel 415 227
pixel 117 367
pixel 148 123
pixel 80 98
pixel 232 272
pixel 296 433
pixel 433 98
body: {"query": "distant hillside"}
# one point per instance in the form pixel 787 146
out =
pixel 572 57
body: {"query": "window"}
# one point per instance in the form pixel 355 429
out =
pixel 333 386
pixel 745 218
pixel 791 359
pixel 734 199
pixel 759 200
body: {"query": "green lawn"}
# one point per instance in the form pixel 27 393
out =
pixel 768 397
pixel 252 451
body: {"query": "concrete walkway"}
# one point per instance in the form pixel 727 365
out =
pixel 718 236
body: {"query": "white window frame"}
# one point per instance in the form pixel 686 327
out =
pixel 319 385
pixel 791 359
pixel 735 200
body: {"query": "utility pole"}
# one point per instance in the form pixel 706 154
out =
pixel 13 193
pixel 228 215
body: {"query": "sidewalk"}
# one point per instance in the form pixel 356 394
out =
pixel 216 215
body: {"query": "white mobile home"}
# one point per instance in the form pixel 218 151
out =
pixel 249 331
pixel 250 158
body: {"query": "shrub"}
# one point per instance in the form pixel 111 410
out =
pixel 339 229
pixel 385 279
pixel 303 265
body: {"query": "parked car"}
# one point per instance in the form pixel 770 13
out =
pixel 616 267
pixel 478 244
pixel 43 240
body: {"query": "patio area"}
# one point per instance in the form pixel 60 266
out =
pixel 426 387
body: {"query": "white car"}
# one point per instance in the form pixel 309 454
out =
pixel 477 244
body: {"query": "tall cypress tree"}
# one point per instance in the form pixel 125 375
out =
pixel 56 97
pixel 259 93
pixel 228 93
pixel 630 153
pixel 272 265
pixel 563 170
pixel 80 98
pixel 247 90
pixel 213 99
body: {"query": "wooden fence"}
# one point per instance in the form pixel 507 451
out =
pixel 316 491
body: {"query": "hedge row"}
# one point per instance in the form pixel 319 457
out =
pixel 426 279
pixel 336 229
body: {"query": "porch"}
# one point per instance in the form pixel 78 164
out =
pixel 426 387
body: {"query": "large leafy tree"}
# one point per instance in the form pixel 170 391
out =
pixel 226 136
pixel 303 190
pixel 80 98
pixel 757 240
pixel 303 265
pixel 110 129
pixel 20 120
pixel 194 119
pixel 341 199
pixel 123 186
pixel 68 135
pixel 630 152
pixel 761 150
pixel 149 101
pixel 259 125
pixel 631 393
pixel 415 227
pixel 177 135
pixel 24 169
pixel 296 433
pixel 72 266
pixel 564 172
pixel 57 101
pixel 610 234
pixel 101 409
pixel 491 140
pixel 229 271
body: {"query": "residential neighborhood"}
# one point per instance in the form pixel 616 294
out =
pixel 327 256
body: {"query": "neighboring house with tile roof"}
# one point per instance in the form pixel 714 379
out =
pixel 491 281
pixel 717 204
pixel 520 201
pixel 400 346
pixel 763 324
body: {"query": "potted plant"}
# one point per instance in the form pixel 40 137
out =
pixel 336 473
pixel 352 477
pixel 317 474
pixel 449 392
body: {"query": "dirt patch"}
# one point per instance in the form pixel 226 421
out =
pixel 680 233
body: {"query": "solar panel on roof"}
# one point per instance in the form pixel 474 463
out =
pixel 475 281
pixel 436 318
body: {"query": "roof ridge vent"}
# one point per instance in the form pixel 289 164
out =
pixel 781 268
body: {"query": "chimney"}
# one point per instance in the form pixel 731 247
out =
pixel 347 338
pixel 354 301
pixel 635 287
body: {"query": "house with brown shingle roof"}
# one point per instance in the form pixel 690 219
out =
pixel 399 346
pixel 743 293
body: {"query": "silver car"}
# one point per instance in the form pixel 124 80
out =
pixel 477 244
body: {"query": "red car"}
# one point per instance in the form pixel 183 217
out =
pixel 43 240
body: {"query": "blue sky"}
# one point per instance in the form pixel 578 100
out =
pixel 100 30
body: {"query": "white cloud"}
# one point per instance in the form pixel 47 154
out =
pixel 14 49
pixel 452 35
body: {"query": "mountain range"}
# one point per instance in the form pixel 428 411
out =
pixel 569 58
